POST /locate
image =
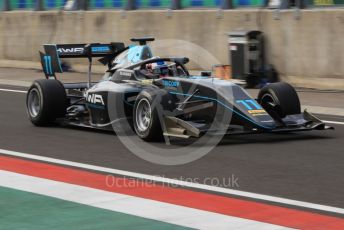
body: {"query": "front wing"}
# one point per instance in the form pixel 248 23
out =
pixel 176 127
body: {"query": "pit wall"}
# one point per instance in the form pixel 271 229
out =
pixel 306 47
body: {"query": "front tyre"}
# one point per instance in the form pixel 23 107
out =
pixel 46 101
pixel 279 98
pixel 145 118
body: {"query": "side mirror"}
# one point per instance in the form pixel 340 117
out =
pixel 181 60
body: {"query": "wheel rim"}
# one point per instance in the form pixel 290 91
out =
pixel 143 115
pixel 34 103
pixel 267 98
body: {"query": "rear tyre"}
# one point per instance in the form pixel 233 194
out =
pixel 280 98
pixel 146 119
pixel 46 101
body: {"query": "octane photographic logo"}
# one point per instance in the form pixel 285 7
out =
pixel 175 151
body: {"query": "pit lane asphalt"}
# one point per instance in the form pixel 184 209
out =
pixel 306 166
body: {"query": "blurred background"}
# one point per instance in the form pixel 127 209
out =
pixel 302 39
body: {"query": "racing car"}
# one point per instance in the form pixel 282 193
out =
pixel 158 97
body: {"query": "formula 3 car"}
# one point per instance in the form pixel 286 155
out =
pixel 158 97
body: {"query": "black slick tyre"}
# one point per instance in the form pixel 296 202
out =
pixel 46 101
pixel 280 97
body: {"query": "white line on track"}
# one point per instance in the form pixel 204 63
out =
pixel 13 90
pixel 178 182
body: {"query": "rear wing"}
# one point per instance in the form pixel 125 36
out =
pixel 51 63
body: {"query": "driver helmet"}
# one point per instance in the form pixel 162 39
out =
pixel 160 68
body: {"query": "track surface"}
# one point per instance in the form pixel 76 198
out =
pixel 301 166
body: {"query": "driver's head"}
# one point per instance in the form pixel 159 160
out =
pixel 161 69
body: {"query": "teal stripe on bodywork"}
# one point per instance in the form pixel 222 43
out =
pixel 224 105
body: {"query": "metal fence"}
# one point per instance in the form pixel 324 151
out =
pixel 30 4
pixel 159 4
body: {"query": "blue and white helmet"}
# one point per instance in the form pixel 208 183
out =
pixel 160 68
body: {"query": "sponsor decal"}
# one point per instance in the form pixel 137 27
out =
pixel 252 107
pixel 168 83
pixel 95 99
pixel 101 49
pixel 257 112
pixel 147 81
pixel 98 49
pixel 71 50
pixel 123 73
